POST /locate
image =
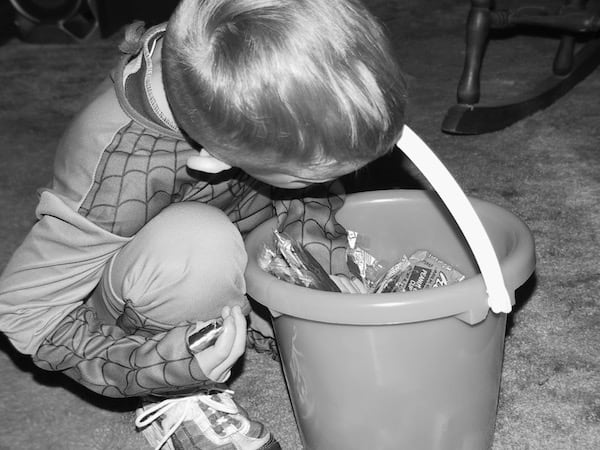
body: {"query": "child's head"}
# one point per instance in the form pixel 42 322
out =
pixel 299 87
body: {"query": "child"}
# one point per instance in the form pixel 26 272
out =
pixel 139 238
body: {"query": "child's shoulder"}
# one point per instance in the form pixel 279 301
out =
pixel 120 110
pixel 109 135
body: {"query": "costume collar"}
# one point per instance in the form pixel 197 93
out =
pixel 133 80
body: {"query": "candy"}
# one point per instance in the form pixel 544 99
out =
pixel 287 260
pixel 206 336
pixel 421 270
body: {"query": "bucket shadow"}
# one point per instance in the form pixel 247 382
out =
pixel 388 172
pixel 522 296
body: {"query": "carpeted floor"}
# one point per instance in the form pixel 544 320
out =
pixel 544 168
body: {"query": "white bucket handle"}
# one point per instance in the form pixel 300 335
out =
pixel 465 216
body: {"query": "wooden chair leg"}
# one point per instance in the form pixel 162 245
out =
pixel 470 115
pixel 565 55
pixel 478 27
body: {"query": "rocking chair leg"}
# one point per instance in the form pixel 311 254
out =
pixel 565 55
pixel 470 116
pixel 478 27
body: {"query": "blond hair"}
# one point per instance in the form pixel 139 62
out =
pixel 280 82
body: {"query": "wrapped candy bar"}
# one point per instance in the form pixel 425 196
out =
pixel 421 270
pixel 389 281
pixel 362 264
pixel 287 260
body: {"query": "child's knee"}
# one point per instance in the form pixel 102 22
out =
pixel 184 265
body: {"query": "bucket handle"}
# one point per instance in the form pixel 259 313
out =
pixel 464 215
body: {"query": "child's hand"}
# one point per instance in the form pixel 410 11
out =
pixel 216 361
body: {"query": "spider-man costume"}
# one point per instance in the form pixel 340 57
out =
pixel 119 165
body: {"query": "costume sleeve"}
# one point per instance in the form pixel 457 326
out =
pixel 115 362
pixel 309 217
pixel 56 267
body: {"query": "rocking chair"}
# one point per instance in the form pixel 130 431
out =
pixel 572 21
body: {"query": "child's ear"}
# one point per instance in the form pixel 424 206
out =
pixel 203 162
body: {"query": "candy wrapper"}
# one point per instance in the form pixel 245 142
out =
pixel 421 270
pixel 362 264
pixel 288 261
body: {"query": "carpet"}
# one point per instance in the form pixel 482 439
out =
pixel 545 169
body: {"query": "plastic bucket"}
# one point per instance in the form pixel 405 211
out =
pixel 415 370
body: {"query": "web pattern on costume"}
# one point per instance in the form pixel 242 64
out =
pixel 310 219
pixel 141 172
pixel 137 358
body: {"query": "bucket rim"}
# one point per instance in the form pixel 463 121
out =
pixel 467 298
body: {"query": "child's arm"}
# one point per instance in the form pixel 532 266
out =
pixel 107 360
pixel 42 311
pixel 53 271
pixel 309 217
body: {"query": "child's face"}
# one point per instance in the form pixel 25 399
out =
pixel 283 178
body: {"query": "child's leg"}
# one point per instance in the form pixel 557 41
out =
pixel 183 266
